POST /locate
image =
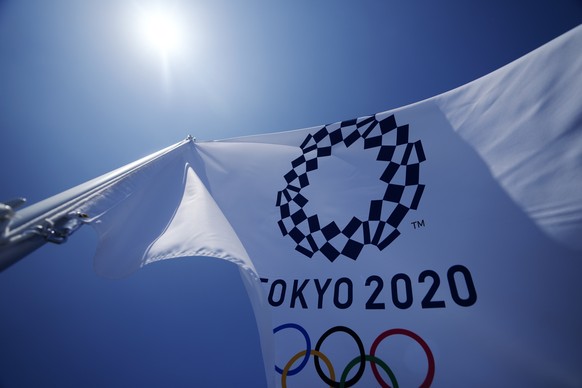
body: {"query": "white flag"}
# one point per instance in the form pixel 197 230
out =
pixel 438 244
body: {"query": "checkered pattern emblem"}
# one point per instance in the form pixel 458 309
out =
pixel 402 193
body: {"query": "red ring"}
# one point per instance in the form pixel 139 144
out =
pixel 429 374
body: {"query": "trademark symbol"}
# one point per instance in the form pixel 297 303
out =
pixel 418 224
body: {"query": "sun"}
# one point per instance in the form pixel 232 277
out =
pixel 161 30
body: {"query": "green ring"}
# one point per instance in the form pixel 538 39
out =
pixel 373 359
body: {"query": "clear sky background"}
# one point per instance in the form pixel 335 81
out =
pixel 81 94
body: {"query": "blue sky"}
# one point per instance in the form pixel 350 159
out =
pixel 80 95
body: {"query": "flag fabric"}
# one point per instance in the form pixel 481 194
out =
pixel 438 244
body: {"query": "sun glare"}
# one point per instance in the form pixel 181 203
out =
pixel 161 30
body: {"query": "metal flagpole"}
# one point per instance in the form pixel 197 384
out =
pixel 54 219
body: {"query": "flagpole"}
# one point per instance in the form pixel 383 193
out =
pixel 55 219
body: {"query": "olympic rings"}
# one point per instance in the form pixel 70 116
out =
pixel 360 359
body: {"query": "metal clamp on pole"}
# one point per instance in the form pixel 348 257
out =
pixel 58 232
pixel 14 245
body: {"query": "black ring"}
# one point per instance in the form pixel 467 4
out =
pixel 360 372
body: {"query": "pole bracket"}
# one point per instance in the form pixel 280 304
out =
pixel 58 231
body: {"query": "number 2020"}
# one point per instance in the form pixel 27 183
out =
pixel 402 295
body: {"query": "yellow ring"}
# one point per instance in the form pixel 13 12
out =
pixel 301 354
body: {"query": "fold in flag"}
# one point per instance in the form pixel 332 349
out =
pixel 435 244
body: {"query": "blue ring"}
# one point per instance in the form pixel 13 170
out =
pixel 307 343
